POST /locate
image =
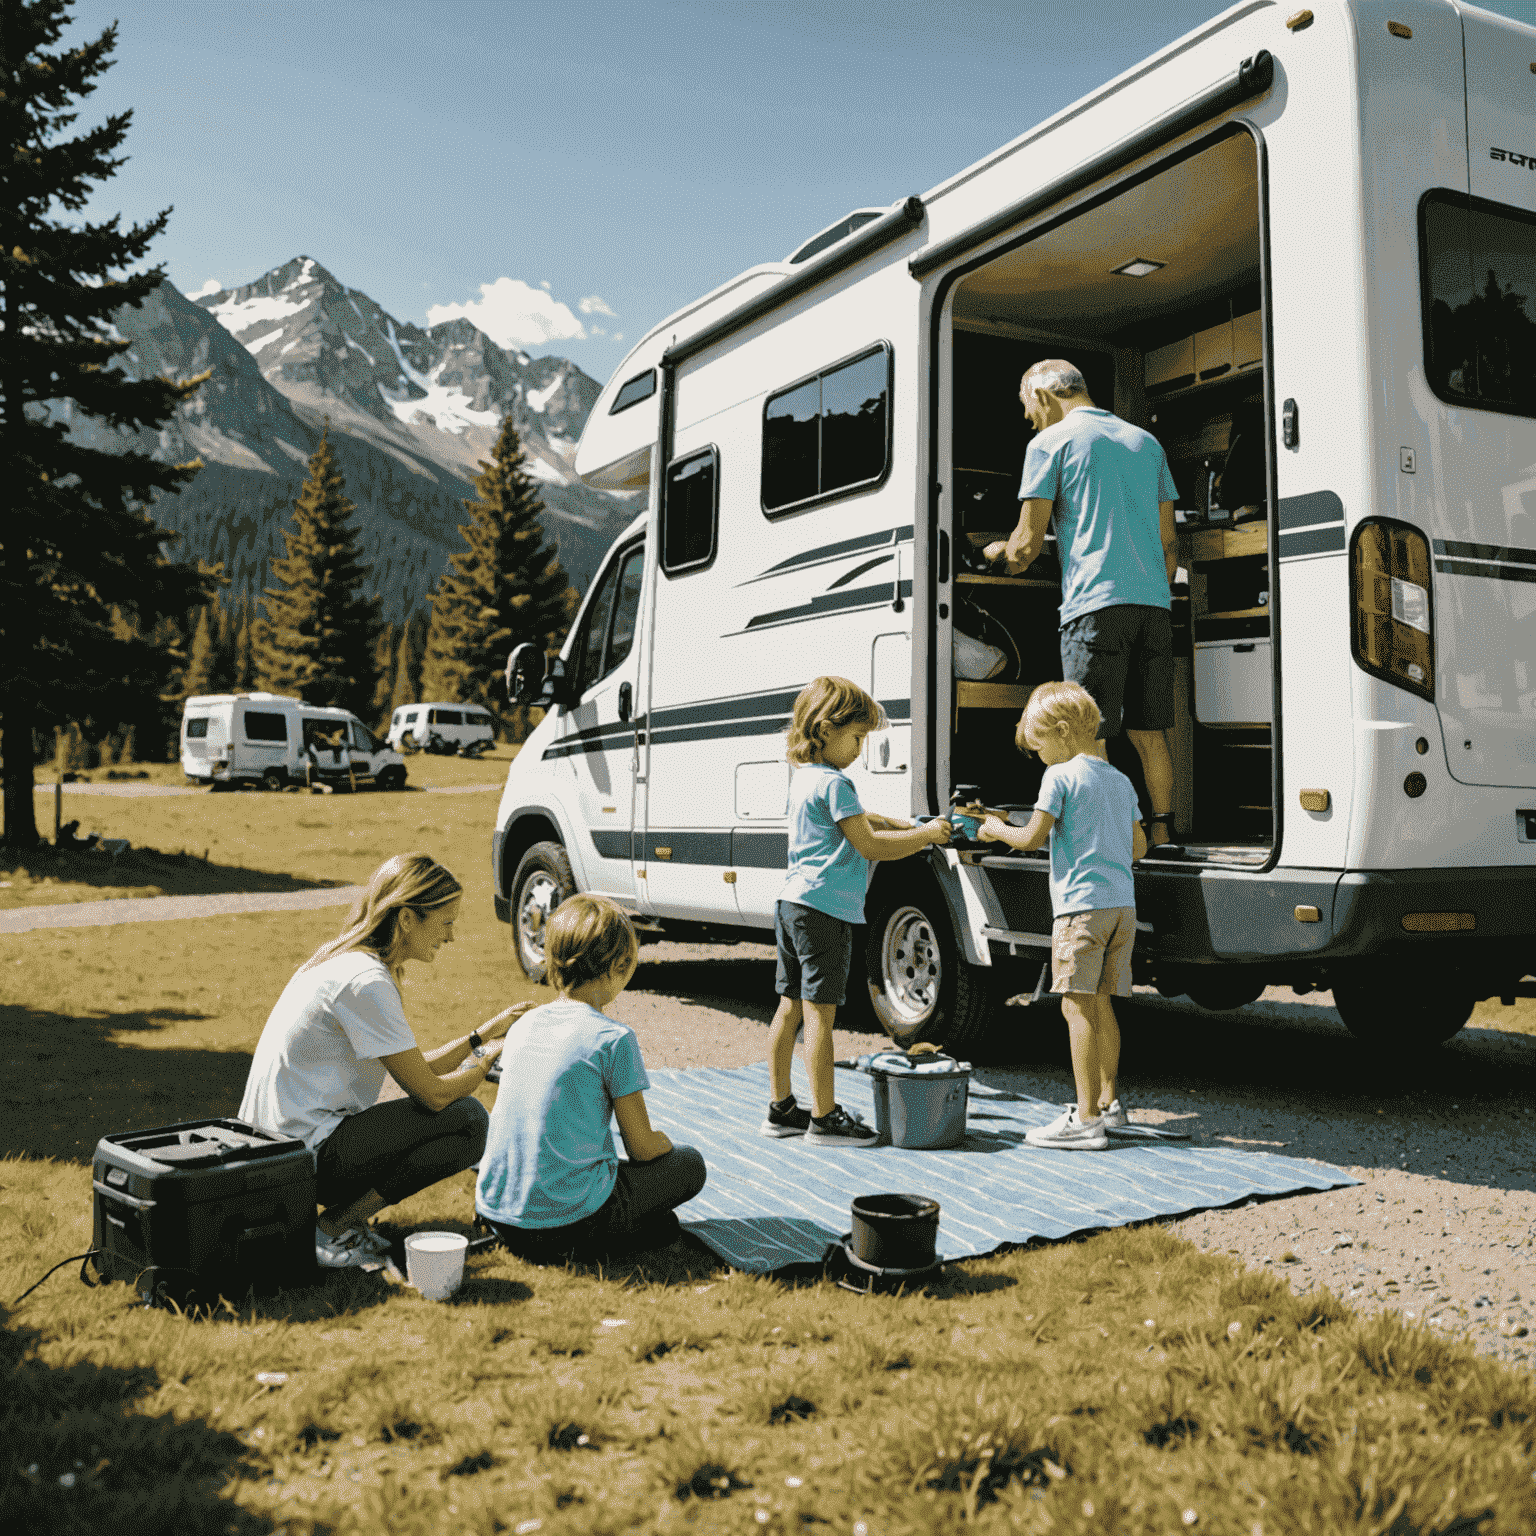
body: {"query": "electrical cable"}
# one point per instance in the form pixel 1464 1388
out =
pixel 86 1257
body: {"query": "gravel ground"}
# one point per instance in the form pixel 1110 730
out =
pixel 1443 1224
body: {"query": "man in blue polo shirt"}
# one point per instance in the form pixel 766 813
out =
pixel 1112 494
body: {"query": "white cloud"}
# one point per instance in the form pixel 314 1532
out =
pixel 513 314
pixel 594 305
pixel 213 285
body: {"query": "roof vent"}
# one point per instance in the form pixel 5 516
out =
pixel 844 227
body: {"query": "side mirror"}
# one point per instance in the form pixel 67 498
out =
pixel 556 691
pixel 525 673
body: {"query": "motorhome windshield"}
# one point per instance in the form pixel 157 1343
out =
pixel 1480 303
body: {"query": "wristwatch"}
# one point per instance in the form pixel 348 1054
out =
pixel 476 1044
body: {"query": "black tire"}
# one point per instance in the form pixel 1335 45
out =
pixel 391 779
pixel 1391 1007
pixel 919 983
pixel 542 881
pixel 220 787
pixel 1222 992
pixel 274 779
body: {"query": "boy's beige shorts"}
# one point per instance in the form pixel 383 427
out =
pixel 1091 951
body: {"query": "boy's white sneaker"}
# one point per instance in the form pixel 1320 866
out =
pixel 1066 1132
pixel 1114 1117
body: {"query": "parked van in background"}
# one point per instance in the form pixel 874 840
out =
pixel 1297 247
pixel 462 728
pixel 272 741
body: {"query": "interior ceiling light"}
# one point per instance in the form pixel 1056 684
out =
pixel 1139 267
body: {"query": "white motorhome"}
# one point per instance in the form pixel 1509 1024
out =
pixel 1299 246
pixel 463 728
pixel 269 741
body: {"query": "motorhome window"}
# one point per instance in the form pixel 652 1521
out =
pixel 1479 267
pixel 633 391
pixel 626 611
pixel 689 512
pixel 362 738
pixel 265 725
pixel 411 716
pixel 828 434
pixel 586 661
pixel 449 717
pixel 197 729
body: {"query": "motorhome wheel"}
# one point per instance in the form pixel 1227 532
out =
pixel 1383 1007
pixel 1222 993
pixel 274 779
pixel 392 778
pixel 920 985
pixel 543 880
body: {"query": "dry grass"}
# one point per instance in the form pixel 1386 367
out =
pixel 1126 1383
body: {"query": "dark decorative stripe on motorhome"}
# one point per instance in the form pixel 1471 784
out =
pixel 819 607
pixel 1497 572
pixel 859 570
pixel 843 548
pixel 612 845
pixel 1456 547
pixel 1306 511
pixel 760 850
pixel 1312 541
pixel 1255 627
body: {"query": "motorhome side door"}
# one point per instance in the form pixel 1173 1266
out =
pixel 596 745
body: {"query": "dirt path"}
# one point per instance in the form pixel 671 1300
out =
pixel 1443 1225
pixel 170 909
pixel 147 791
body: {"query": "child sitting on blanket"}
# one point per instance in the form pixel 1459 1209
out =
pixel 551 1183
pixel 1088 811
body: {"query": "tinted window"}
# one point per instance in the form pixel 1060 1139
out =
pixel 265 725
pixel 828 434
pixel 1480 303
pixel 583 669
pixel 688 513
pixel 633 391
pixel 450 717
pixel 197 729
pixel 411 716
pixel 626 611
pixel 362 738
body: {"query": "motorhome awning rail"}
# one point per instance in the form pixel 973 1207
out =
pixel 1252 78
pixel 898 220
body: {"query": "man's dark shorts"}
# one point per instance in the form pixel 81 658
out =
pixel 1123 656
pixel 815 953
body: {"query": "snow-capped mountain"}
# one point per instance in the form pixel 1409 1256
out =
pixel 412 412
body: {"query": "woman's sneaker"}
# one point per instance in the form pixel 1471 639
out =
pixel 786 1118
pixel 1069 1133
pixel 840 1129
pixel 347 1250
pixel 1113 1116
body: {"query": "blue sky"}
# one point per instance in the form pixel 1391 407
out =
pixel 592 168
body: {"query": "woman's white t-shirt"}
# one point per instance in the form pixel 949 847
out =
pixel 318 1058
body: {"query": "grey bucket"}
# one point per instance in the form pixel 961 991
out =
pixel 921 1109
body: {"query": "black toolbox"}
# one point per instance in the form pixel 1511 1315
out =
pixel 211 1208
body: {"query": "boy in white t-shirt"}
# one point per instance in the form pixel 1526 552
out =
pixel 1088 811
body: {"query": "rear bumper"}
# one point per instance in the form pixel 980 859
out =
pixel 1244 917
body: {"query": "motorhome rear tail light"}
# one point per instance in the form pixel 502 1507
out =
pixel 1399 29
pixel 1393 631
pixel 1439 922
pixel 1308 915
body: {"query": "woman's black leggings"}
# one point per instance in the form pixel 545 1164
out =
pixel 397 1149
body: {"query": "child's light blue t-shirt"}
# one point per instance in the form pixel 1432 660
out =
pixel 1094 806
pixel 825 870
pixel 1106 479
pixel 549 1155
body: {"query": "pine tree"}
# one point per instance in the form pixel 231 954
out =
pixel 76 539
pixel 385 655
pixel 323 624
pixel 506 588
pixel 203 658
pixel 402 688
pixel 242 664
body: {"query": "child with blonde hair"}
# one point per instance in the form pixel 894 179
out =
pixel 832 841
pixel 551 1183
pixel 1087 809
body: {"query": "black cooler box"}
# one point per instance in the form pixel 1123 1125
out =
pixel 211 1208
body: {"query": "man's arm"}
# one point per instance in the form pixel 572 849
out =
pixel 1138 841
pixel 876 845
pixel 1022 547
pixel 1026 839
pixel 1168 528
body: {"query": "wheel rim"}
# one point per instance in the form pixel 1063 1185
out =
pixel 911 970
pixel 540 897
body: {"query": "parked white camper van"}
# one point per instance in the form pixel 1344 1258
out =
pixel 271 740
pixel 462 728
pixel 1298 246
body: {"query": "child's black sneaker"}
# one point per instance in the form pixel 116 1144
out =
pixel 840 1129
pixel 785 1118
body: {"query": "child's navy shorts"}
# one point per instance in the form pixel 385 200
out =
pixel 815 953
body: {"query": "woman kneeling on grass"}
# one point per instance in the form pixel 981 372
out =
pixel 338 1029
pixel 551 1183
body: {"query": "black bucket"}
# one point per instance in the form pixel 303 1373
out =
pixel 894 1231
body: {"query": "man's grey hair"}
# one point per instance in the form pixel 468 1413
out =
pixel 1056 375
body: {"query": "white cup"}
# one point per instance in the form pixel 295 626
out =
pixel 434 1262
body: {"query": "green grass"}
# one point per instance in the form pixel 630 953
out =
pixel 1114 1384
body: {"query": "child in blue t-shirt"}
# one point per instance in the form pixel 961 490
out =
pixel 832 840
pixel 1088 811
pixel 550 1180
